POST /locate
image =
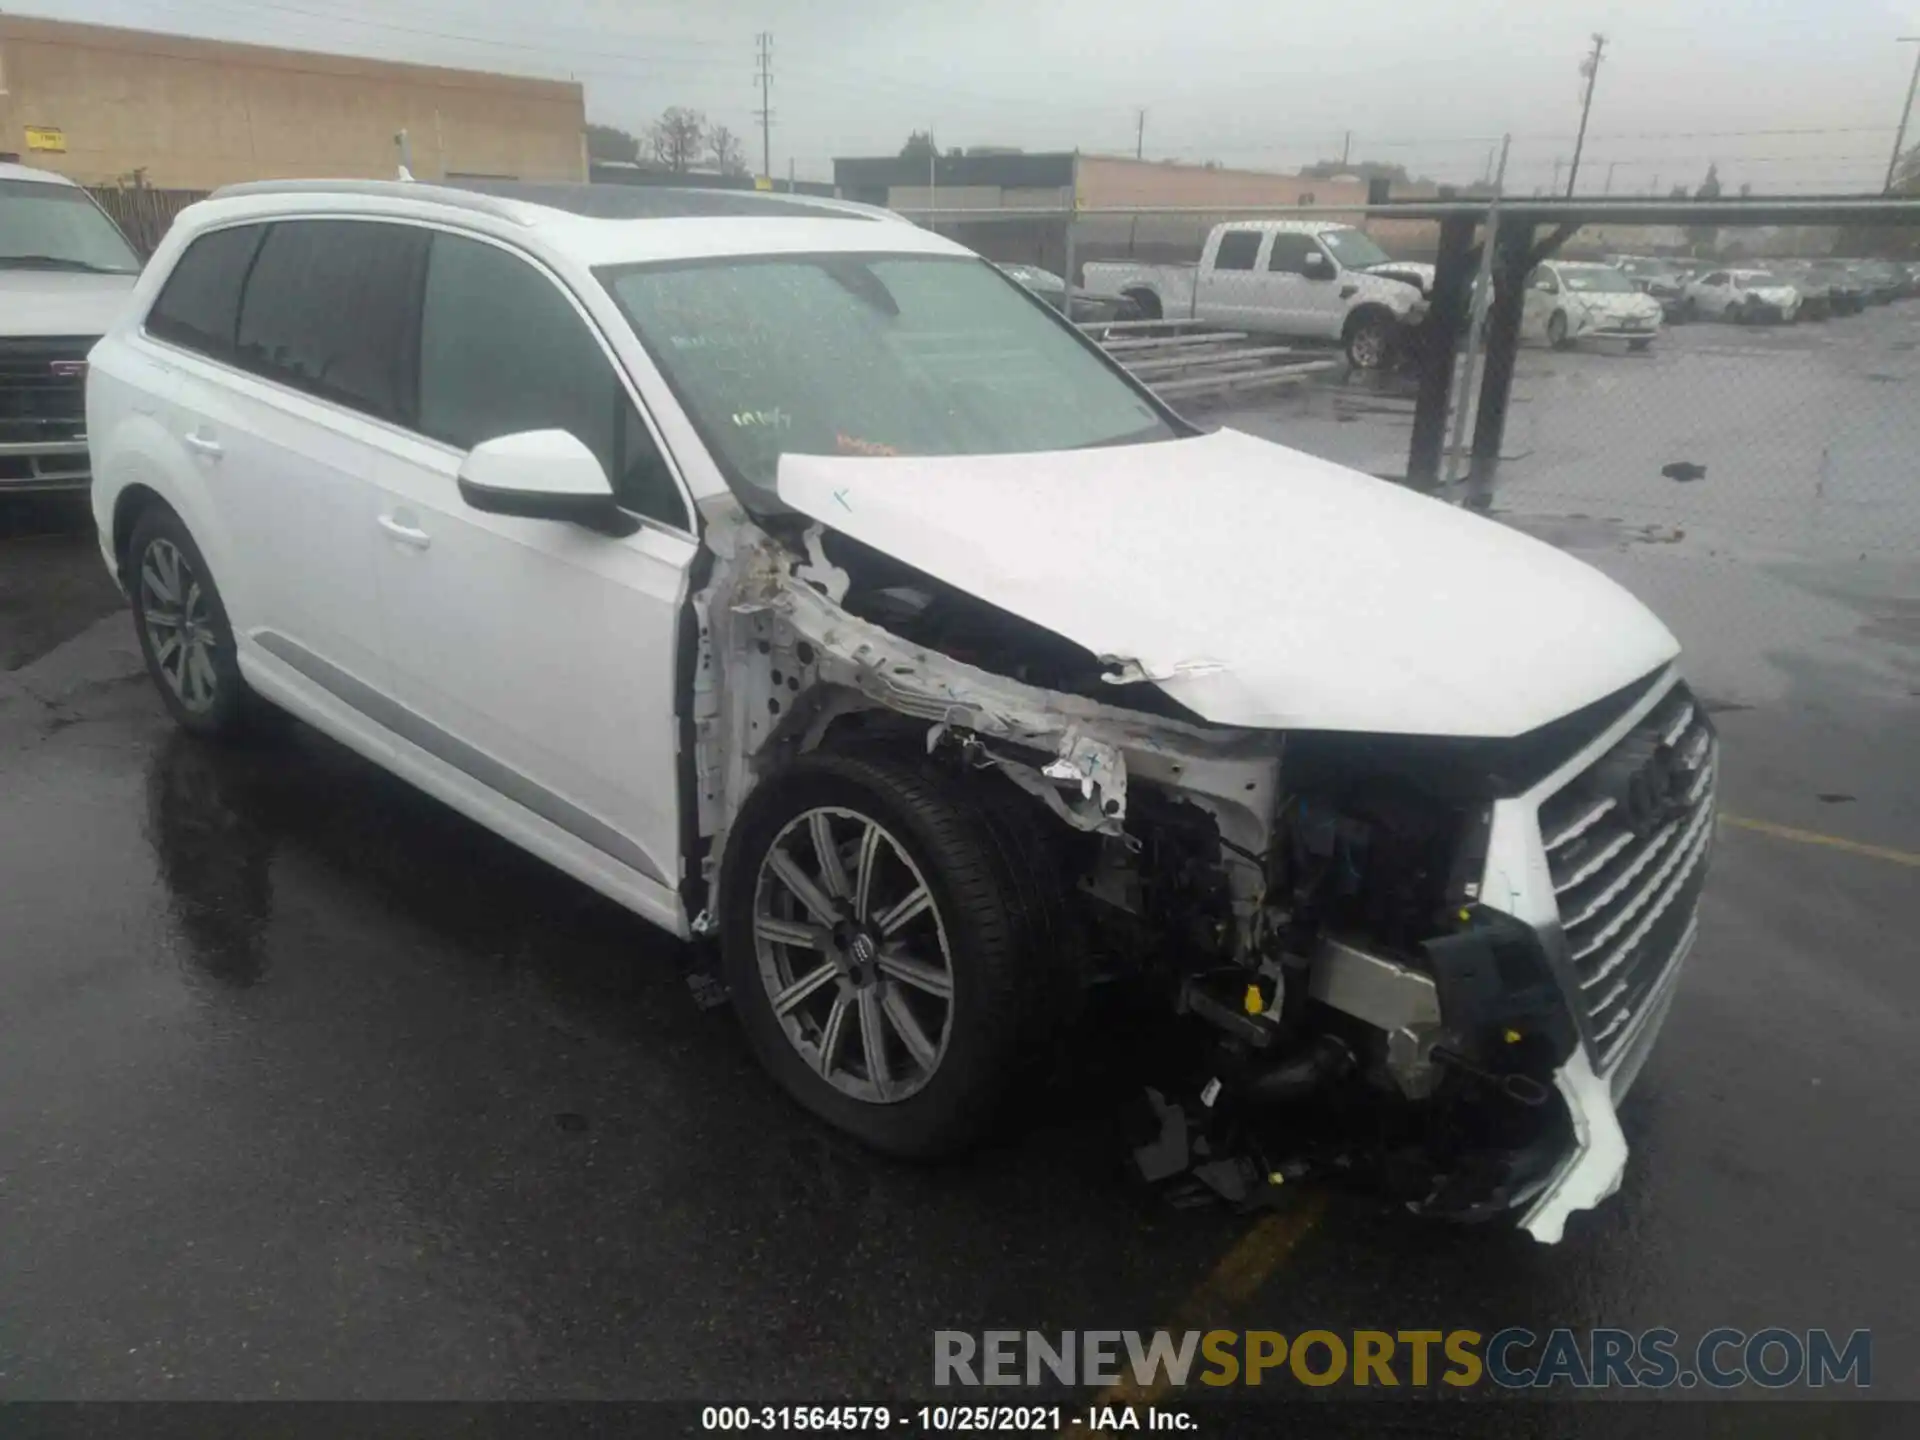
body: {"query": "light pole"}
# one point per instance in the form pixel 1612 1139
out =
pixel 1900 135
pixel 1590 67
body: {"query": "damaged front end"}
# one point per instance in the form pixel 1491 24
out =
pixel 1433 965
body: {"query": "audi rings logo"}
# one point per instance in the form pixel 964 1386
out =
pixel 863 949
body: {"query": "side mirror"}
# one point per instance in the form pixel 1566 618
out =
pixel 1316 266
pixel 543 475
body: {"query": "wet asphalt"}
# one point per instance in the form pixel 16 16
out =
pixel 309 1088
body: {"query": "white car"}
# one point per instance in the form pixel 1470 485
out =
pixel 791 578
pixel 1746 297
pixel 65 271
pixel 1308 279
pixel 1567 301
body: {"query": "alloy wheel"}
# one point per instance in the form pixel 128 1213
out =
pixel 853 952
pixel 179 624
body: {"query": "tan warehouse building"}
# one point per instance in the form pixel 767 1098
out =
pixel 107 106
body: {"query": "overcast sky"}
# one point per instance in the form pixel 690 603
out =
pixel 1267 84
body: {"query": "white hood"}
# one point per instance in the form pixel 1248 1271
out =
pixel 1259 586
pixel 60 302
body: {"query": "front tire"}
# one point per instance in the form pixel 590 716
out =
pixel 1557 330
pixel 1639 345
pixel 185 635
pixel 1369 340
pixel 885 952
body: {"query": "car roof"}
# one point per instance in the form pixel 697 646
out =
pixel 592 224
pixel 10 171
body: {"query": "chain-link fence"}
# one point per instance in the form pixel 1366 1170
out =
pixel 1700 408
pixel 1746 386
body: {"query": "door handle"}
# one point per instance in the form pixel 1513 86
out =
pixel 405 534
pixel 204 445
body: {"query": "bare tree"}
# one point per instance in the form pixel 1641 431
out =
pixel 677 137
pixel 725 152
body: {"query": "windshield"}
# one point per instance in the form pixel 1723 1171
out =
pixel 1353 248
pixel 1600 280
pixel 56 227
pixel 845 354
pixel 1034 278
pixel 1758 279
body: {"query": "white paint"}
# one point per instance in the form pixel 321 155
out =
pixel 536 462
pixel 1276 590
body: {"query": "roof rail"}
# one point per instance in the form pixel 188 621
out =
pixel 503 208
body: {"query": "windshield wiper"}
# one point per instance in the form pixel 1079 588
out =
pixel 57 262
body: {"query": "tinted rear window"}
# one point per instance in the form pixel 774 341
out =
pixel 332 308
pixel 199 307
pixel 1237 250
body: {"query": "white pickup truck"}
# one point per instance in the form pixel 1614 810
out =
pixel 1305 278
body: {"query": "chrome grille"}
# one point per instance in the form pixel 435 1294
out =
pixel 43 390
pixel 1627 843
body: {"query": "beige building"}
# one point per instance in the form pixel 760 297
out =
pixel 1049 183
pixel 101 105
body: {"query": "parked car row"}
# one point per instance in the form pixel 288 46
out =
pixel 1822 287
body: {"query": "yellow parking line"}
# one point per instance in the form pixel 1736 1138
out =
pixel 1232 1282
pixel 1832 842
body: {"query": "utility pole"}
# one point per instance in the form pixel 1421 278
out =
pixel 1900 136
pixel 1140 133
pixel 763 55
pixel 1346 149
pixel 1590 67
pixel 1554 189
pixel 1607 189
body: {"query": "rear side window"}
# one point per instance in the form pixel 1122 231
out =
pixel 503 350
pixel 330 309
pixel 1237 250
pixel 199 307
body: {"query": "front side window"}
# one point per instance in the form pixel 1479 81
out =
pixel 502 350
pixel 1290 254
pixel 1237 250
pixel 199 307
pixel 1718 278
pixel 58 227
pixel 329 309
pixel 843 354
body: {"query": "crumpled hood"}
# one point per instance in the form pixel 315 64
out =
pixel 1256 585
pixel 60 302
pixel 1784 296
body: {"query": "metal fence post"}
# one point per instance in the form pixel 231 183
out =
pixel 1436 341
pixel 1515 243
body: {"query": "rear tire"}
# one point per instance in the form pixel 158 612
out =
pixel 907 1034
pixel 184 633
pixel 1146 303
pixel 1638 344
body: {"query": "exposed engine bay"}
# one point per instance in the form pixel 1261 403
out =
pixel 1305 904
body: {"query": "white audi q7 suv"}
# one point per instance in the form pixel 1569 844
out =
pixel 788 574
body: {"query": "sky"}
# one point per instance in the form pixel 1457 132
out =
pixel 1785 95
